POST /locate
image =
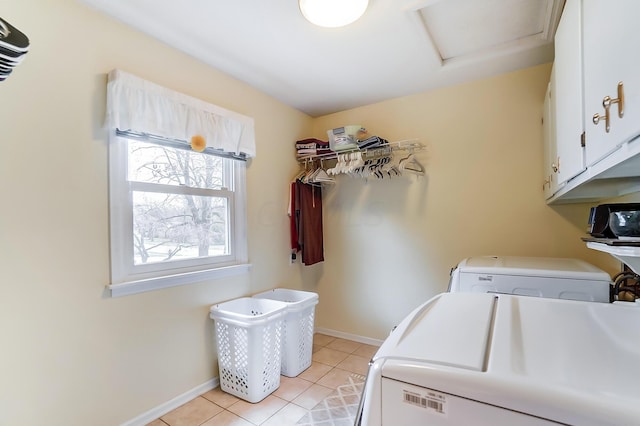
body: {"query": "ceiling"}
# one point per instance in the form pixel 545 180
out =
pixel 398 48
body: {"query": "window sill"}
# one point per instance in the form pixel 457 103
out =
pixel 150 284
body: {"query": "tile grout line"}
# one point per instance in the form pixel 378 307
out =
pixel 334 340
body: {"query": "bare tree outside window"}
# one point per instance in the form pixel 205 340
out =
pixel 170 222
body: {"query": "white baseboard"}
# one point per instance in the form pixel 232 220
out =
pixel 348 336
pixel 172 404
pixel 164 408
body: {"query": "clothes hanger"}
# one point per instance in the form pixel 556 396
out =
pixel 309 173
pixel 335 169
pixel 391 169
pixel 356 161
pixel 321 175
pixel 300 173
pixel 410 164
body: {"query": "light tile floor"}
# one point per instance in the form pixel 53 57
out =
pixel 333 360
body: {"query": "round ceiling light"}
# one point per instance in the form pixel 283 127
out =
pixel 332 13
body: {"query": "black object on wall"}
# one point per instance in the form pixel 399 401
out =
pixel 599 218
pixel 13 46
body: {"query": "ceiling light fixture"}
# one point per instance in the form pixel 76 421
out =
pixel 332 13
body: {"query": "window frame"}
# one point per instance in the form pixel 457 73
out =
pixel 127 278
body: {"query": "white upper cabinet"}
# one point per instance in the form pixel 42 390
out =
pixel 567 94
pixel 550 184
pixel 611 49
pixel 595 89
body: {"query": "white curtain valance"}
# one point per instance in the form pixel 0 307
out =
pixel 137 105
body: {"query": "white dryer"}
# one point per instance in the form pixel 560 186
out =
pixel 558 278
pixel 492 359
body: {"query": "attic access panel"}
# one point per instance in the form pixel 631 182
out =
pixel 462 29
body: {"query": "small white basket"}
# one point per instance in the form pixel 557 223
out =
pixel 343 138
pixel 297 336
pixel 249 341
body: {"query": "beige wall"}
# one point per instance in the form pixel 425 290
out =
pixel 68 354
pixel 390 244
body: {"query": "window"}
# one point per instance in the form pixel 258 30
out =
pixel 178 215
pixel 174 212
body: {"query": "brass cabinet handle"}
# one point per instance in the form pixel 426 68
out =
pixel 555 166
pixel 606 103
pixel 545 183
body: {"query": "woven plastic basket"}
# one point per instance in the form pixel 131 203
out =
pixel 249 340
pixel 297 338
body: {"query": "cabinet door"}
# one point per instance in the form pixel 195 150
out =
pixel 549 186
pixel 567 93
pixel 611 46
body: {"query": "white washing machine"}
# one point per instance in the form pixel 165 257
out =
pixel 492 359
pixel 558 278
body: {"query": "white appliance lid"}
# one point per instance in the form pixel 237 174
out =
pixel 446 331
pixel 533 266
pixel 566 360
pixel 570 344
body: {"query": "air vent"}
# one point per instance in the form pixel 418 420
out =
pixel 463 29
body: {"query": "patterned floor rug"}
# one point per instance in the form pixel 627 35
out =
pixel 339 408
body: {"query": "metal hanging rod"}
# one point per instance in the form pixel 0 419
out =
pixel 403 145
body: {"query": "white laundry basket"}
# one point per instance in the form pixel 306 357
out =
pixel 297 337
pixel 249 340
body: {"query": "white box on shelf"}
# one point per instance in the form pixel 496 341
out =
pixel 344 138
